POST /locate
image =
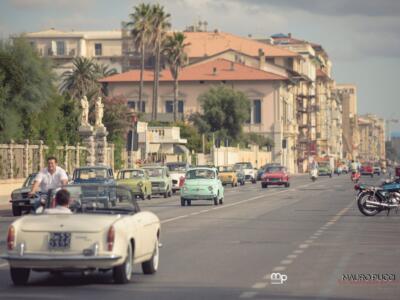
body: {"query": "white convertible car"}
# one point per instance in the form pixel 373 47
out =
pixel 99 234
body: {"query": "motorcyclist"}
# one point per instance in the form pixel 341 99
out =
pixel 354 167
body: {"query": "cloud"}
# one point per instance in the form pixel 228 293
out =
pixel 334 7
pixel 71 5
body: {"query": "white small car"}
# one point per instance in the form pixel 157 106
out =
pixel 96 234
pixel 250 173
pixel 177 171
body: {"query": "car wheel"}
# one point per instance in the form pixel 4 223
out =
pixel 151 266
pixel 264 185
pixel 287 184
pixel 149 197
pixel 20 276
pixel 372 175
pixel 221 201
pixel 16 210
pixel 216 200
pixel 233 184
pixel 165 194
pixel 123 273
pixel 253 181
pixel 189 202
pixel 183 202
pixel 174 192
pixel 170 193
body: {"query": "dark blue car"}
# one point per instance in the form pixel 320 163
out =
pixel 95 176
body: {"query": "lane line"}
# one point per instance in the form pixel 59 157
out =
pixel 286 262
pixel 233 204
pixel 279 268
pixel 259 285
pixel 248 294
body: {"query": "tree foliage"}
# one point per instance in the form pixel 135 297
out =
pixel 224 112
pixel 29 104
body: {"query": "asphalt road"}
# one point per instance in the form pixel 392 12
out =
pixel 312 233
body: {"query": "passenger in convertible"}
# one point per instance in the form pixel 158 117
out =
pixel 62 201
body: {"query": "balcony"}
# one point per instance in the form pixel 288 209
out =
pixel 163 117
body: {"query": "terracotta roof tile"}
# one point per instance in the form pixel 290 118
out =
pixel 202 72
pixel 209 43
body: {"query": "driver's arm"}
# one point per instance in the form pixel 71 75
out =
pixel 35 187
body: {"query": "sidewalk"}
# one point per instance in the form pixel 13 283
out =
pixel 6 190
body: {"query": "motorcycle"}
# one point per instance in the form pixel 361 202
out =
pixel 372 200
pixel 314 174
pixel 355 176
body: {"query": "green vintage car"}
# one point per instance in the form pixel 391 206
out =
pixel 137 180
pixel 324 169
pixel 202 184
pixel 161 182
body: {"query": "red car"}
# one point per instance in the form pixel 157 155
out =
pixel 367 169
pixel 275 175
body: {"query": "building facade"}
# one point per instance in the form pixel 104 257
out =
pixel 372 138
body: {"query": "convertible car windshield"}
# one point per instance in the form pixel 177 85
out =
pixel 29 181
pixel 98 199
pixel 131 174
pixel 275 169
pixel 200 174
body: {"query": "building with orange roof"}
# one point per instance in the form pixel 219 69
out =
pixel 272 110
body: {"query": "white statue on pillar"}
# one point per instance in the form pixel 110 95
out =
pixel 99 112
pixel 85 112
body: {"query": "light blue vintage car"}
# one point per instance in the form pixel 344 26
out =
pixel 202 184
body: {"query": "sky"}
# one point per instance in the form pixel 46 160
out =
pixel 362 37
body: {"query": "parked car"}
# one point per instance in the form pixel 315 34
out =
pixel 367 169
pixel 137 180
pixel 177 170
pixel 324 169
pixel 202 184
pixel 249 172
pixel 227 175
pixel 377 170
pixel 96 235
pixel 161 183
pixel 275 175
pixel 20 202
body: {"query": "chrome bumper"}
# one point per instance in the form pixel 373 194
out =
pixel 60 258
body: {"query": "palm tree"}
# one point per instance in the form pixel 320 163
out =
pixel 101 71
pixel 78 82
pixel 160 24
pixel 174 50
pixel 141 32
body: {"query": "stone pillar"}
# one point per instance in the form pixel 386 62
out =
pixel 66 158
pixel 77 155
pixel 41 158
pixel 112 149
pixel 26 159
pixel 86 133
pixel 101 145
pixel 10 157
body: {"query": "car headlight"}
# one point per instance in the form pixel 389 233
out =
pixel 140 184
pixel 210 188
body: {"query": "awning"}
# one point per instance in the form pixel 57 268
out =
pixel 180 149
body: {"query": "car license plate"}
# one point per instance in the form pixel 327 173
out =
pixel 59 240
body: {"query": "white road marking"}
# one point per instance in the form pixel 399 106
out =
pixel 304 246
pixel 231 205
pixel 298 251
pixel 260 285
pixel 279 268
pixel 292 256
pixel 286 262
pixel 248 294
pixel 308 241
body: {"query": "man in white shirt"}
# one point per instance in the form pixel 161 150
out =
pixel 52 177
pixel 62 202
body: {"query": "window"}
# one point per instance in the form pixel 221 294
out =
pixel 256 111
pixel 98 49
pixel 169 106
pixel 132 104
pixel 60 47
